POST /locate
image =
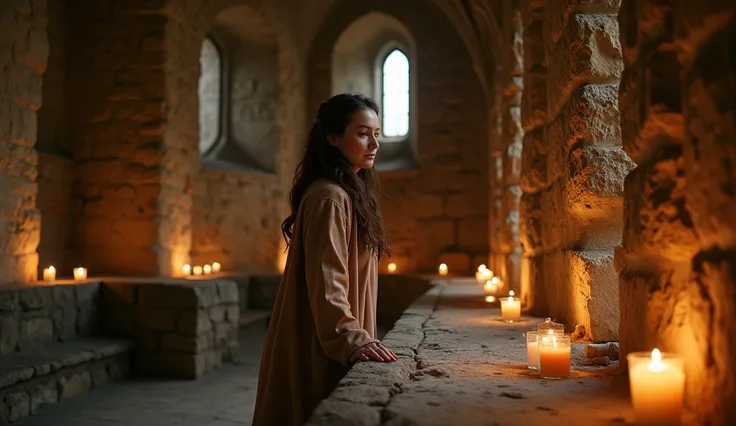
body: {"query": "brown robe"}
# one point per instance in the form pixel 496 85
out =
pixel 325 309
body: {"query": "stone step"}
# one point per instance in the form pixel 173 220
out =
pixel 254 319
pixel 32 379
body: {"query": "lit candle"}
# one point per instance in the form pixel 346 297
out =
pixel 532 350
pixel 197 270
pixel 216 267
pixel 483 275
pixel 207 269
pixel 186 269
pixel 490 299
pixel 554 356
pixel 490 288
pixel 442 269
pixel 80 273
pixel 510 308
pixel 391 268
pixel 657 387
pixel 49 274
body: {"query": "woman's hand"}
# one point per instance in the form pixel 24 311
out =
pixel 375 351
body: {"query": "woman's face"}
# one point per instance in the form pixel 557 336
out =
pixel 359 142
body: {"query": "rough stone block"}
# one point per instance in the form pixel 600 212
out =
pixel 533 290
pixel 595 294
pixel 42 395
pixel 465 204
pixel 117 293
pixel 588 52
pixel 656 219
pixel 532 216
pixel 18 404
pixel 558 14
pixel 534 99
pixel 534 161
pixel 429 206
pixel 74 384
pixel 171 296
pixel 194 323
pixel 228 291
pixel 153 319
pixel 35 332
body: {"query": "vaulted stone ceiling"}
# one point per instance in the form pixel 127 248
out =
pixel 478 23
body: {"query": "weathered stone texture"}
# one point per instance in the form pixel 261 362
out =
pixel 181 329
pixel 676 276
pixel 23 57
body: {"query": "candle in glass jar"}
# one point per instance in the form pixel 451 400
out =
pixel 49 274
pixel 510 308
pixel 391 268
pixel 80 273
pixel 442 270
pixel 197 270
pixel 207 269
pixel 483 275
pixel 216 267
pixel 657 386
pixel 490 288
pixel 532 350
pixel 554 356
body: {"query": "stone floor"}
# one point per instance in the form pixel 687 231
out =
pixel 222 398
pixel 469 369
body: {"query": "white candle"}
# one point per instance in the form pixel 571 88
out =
pixel 490 299
pixel 483 275
pixel 510 308
pixel 186 269
pixel 657 387
pixel 216 267
pixel 532 350
pixel 207 269
pixel 49 274
pixel 197 270
pixel 80 273
pixel 490 288
pixel 391 268
pixel 442 270
pixel 554 356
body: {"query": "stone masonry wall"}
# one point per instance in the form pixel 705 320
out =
pixel 121 195
pixel 23 56
pixel 443 206
pixel 574 211
pixel 181 329
pixel 36 317
pixel 676 261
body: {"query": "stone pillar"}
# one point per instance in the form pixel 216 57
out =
pixel 534 158
pixel 510 245
pixel 495 178
pixel 581 208
pixel 676 261
pixel 23 56
pixel 132 177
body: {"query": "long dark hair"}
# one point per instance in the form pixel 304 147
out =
pixel 322 160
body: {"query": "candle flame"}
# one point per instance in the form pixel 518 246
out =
pixel 656 356
pixel 511 293
pixel 656 365
pixel 392 267
pixel 52 269
pixel 481 268
pixel 490 299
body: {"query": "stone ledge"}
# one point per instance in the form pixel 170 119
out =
pixel 34 379
pixel 361 395
pixel 21 366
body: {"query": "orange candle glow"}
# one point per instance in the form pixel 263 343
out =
pixel 554 356
pixel 511 308
pixel 391 268
pixel 442 270
pixel 49 274
pixel 657 387
pixel 216 267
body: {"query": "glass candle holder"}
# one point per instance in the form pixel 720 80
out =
pixel 80 273
pixel 532 350
pixel 548 325
pixel 554 356
pixel 657 383
pixel 510 308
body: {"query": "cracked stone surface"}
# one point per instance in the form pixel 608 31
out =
pixel 459 365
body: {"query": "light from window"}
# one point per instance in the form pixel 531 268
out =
pixel 209 91
pixel 395 97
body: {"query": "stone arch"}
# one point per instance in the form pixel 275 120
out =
pixel 248 139
pixel 225 189
pixel 357 60
pixel 431 211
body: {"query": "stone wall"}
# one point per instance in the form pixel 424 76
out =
pixel 55 177
pixel 676 261
pixel 442 207
pixel 36 317
pixel 23 56
pixel 573 205
pixel 181 329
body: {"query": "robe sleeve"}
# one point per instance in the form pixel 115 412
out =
pixel 326 237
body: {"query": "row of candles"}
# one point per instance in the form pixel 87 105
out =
pixel 80 273
pixel 657 380
pixel 201 270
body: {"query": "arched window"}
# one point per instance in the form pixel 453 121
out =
pixel 210 95
pixel 395 95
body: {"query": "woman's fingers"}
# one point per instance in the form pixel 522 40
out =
pixel 374 354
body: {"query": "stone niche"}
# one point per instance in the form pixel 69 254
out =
pixel 182 329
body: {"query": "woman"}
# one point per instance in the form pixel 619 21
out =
pixel 324 317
